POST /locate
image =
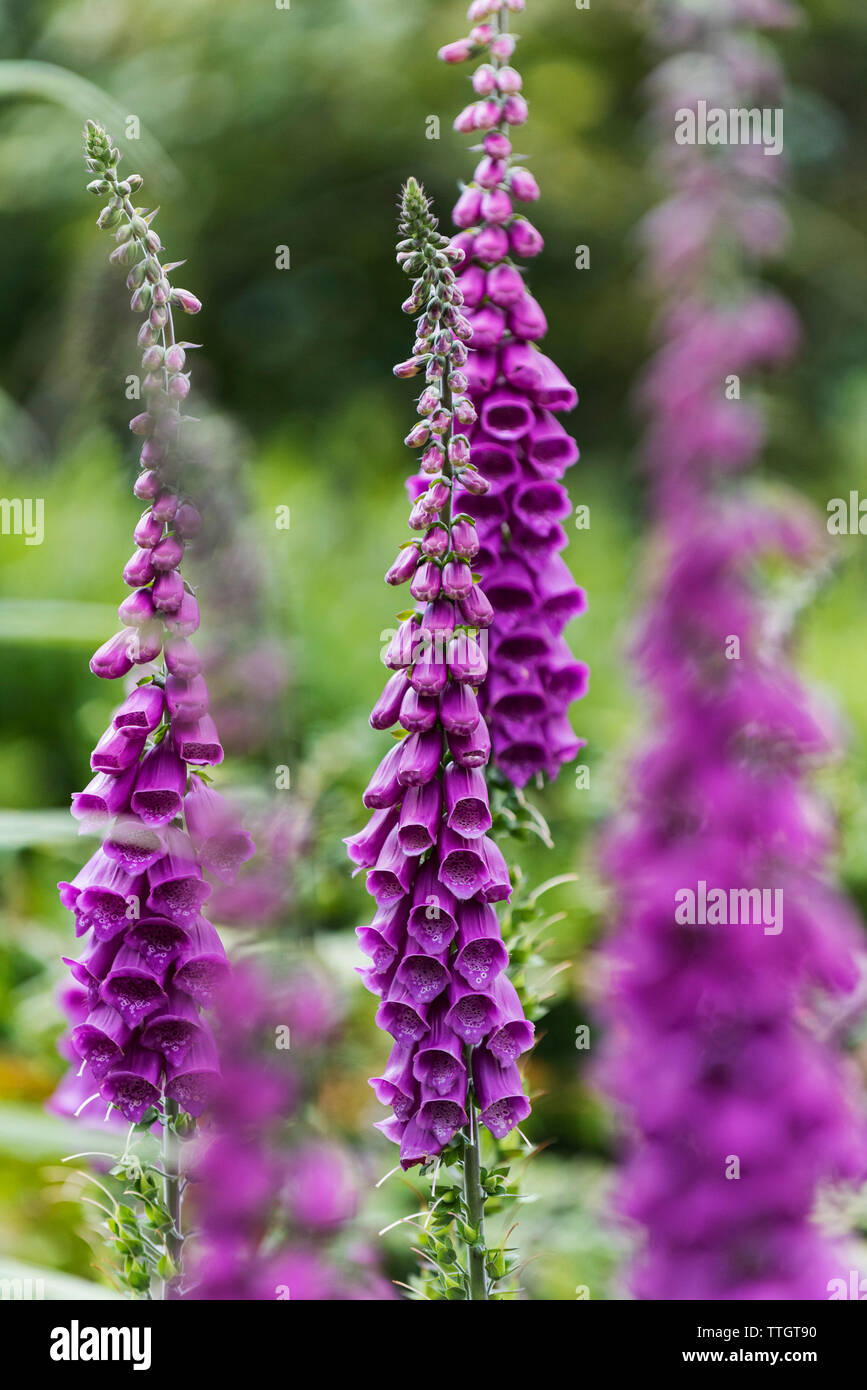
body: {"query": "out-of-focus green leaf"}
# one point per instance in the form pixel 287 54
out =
pixel 59 622
pixel 18 829
pixel 35 1282
pixel 31 1134
pixel 54 83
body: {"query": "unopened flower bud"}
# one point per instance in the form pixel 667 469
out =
pixel 459 449
pixel 472 481
pixel 188 302
pixel 456 52
pixel 188 521
pixel 411 367
pixel 418 436
pixel 485 80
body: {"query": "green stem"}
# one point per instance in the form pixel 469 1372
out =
pixel 474 1198
pixel 172 1194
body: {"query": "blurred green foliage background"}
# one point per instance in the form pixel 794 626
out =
pixel 263 128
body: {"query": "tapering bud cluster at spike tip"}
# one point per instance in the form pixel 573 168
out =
pixel 516 440
pixel 435 941
pixel 149 959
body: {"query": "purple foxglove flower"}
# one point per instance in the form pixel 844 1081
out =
pixel 137 608
pixel 167 554
pixel 132 988
pixel 717 802
pixel 197 741
pixel 438 1063
pixel 498 885
pixel 320 1188
pixel 560 598
pixel 463 869
pixel 423 976
pixel 550 450
pixel 438 620
pixel 505 415
pixel 417 1144
pixel 481 954
pixel 476 609
pixel 139 570
pixel 101 1039
pixel 467 209
pixel 397 1086
pixel 193 1078
pixel 442 1116
pixel 471 1014
pixel 141 711
pixel 457 579
pixel 185 620
pixel 176 887
pixel 472 749
pixel 174 1029
pixel 472 287
pixel 201 967
pixel 168 591
pixel 420 756
pixel 488 326
pixel 401 650
pixel 109 901
pixel 385 936
pixel 164 508
pixel 523 700
pixel 133 845
pixel 504 285
pixel 145 643
pixel 490 245
pixel 465 541
pixel 221 843
pixel 105 795
pixel 186 699
pixel 430 867
pixel 383 789
pixel 113 659
pixel 427 581
pixel 92 966
pixel 181 658
pixel 387 708
pixel 365 848
pixel 432 920
pixel 466 801
pixel 419 818
pixel 401 1017
pixel 404 566
pixel 514 1033
pixel 161 784
pixel 430 673
pixel 133 1083
pixel 500 1094
pixel 393 872
pixel 148 532
pixel 466 661
pixel 458 710
pixel 418 713
pixel 147 485
pixel 157 940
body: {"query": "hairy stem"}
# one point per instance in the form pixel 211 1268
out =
pixel 474 1198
